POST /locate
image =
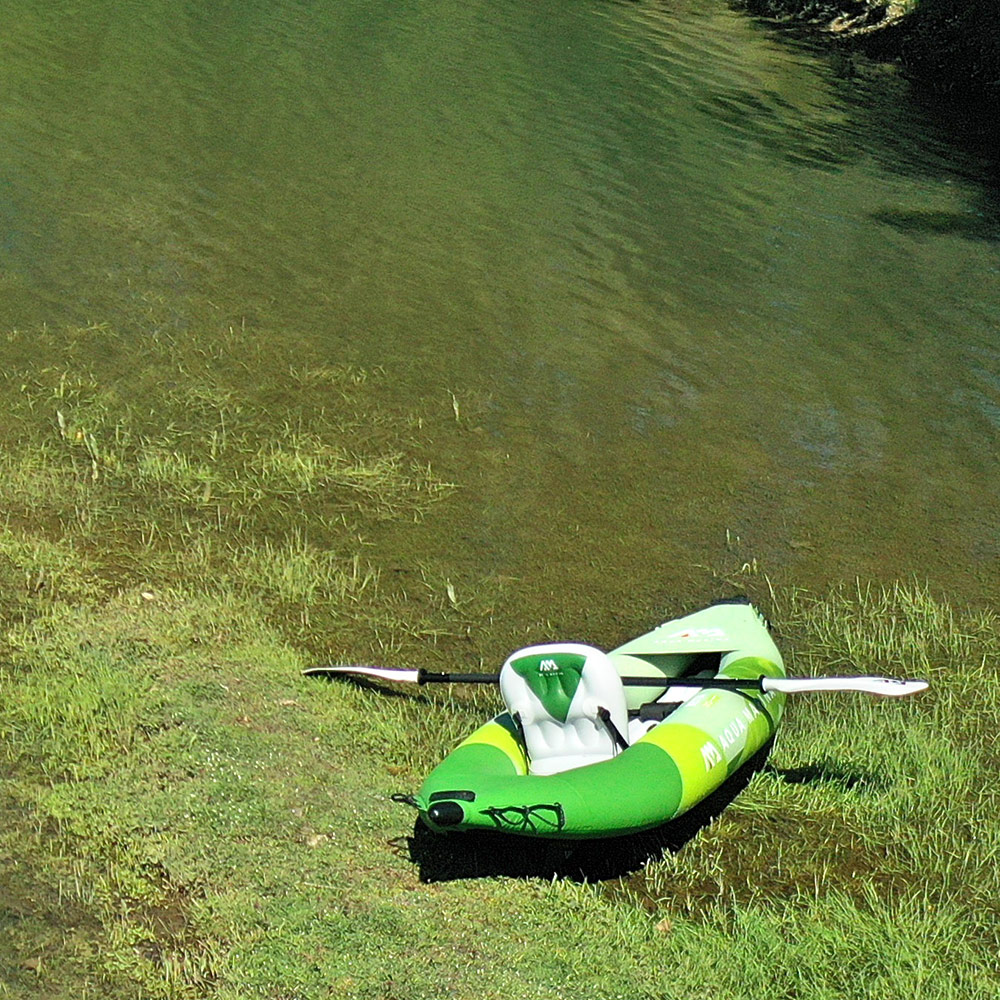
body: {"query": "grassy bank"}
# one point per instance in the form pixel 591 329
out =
pixel 184 816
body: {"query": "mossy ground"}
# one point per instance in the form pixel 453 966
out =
pixel 185 816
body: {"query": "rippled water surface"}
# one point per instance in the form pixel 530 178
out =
pixel 696 300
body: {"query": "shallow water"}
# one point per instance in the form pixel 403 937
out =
pixel 697 303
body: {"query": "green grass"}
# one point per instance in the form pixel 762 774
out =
pixel 184 816
pixel 192 818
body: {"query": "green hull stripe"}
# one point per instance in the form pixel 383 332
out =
pixel 634 791
pixel 502 734
pixel 468 767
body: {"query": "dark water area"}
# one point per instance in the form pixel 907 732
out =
pixel 677 298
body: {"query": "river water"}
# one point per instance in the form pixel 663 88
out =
pixel 697 302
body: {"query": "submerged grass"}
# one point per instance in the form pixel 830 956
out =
pixel 185 816
pixel 199 477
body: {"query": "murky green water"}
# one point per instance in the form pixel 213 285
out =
pixel 697 301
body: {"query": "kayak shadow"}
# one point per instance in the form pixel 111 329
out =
pixel 826 772
pixel 448 857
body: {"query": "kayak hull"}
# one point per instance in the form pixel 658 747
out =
pixel 484 784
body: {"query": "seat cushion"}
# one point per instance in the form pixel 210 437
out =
pixel 556 691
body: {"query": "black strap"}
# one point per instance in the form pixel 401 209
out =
pixel 605 716
pixel 520 730
pixel 656 711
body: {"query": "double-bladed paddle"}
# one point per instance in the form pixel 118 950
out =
pixel 886 686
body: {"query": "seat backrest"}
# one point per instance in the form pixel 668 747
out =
pixel 556 692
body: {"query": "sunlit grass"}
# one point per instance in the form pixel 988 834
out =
pixel 185 816
pixel 223 824
pixel 78 723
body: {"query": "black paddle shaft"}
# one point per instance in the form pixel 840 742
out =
pixel 725 683
pixel 429 677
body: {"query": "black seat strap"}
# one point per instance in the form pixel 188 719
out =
pixel 605 716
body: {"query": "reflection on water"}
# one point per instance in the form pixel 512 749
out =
pixel 683 284
pixel 970 224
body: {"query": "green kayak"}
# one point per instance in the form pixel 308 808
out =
pixel 579 754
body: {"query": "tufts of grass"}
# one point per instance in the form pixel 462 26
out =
pixel 872 815
pixel 207 823
pixel 35 568
pixel 183 469
pixel 300 574
pixel 79 723
pixel 833 946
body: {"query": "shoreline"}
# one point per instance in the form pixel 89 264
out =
pixel 946 47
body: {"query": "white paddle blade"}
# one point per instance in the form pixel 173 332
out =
pixel 382 673
pixel 890 687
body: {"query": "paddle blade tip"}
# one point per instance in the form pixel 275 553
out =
pixel 913 686
pixel 358 673
pixel 896 687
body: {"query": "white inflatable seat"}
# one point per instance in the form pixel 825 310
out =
pixel 557 693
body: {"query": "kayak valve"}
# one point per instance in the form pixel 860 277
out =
pixel 446 814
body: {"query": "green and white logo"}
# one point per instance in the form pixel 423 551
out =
pixel 553 678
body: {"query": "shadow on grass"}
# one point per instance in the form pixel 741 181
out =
pixel 824 773
pixel 447 857
pixel 367 684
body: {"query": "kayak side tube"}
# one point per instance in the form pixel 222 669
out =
pixel 483 784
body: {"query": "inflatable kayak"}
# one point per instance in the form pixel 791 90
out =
pixel 578 753
pixel 596 744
